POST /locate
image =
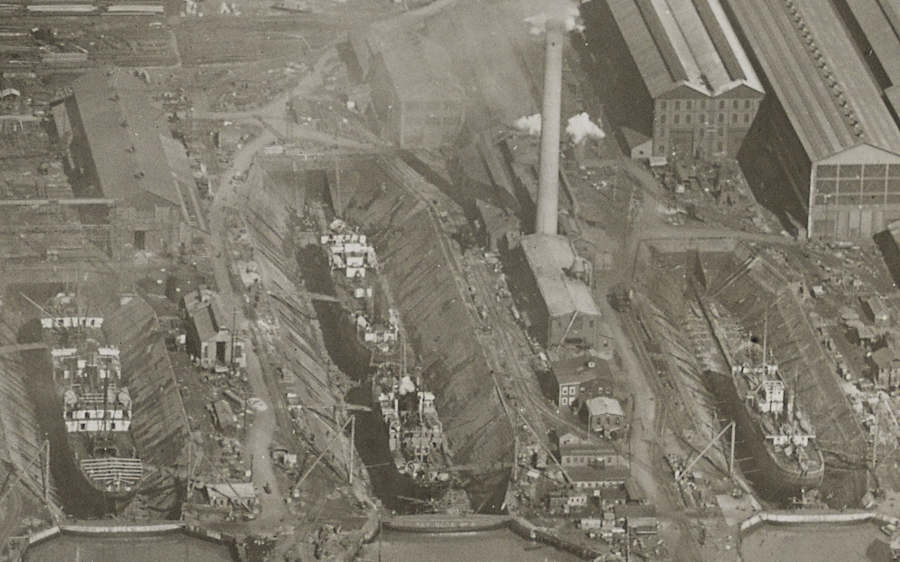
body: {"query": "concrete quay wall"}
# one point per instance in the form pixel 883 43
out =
pixel 820 518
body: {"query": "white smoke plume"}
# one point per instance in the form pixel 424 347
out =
pixel 581 127
pixel 565 12
pixel 531 124
pixel 406 386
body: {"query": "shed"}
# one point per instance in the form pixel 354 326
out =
pixel 589 454
pixel 117 152
pixel 604 415
pixel 640 146
pixel 232 495
pixel 593 478
pixel 876 311
pixel 417 100
pixel 638 519
pixel 887 364
pixel 831 135
pixel 209 333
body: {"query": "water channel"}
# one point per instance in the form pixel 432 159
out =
pixel 78 498
pixel 396 491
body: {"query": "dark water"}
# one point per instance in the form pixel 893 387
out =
pixel 78 498
pixel 352 358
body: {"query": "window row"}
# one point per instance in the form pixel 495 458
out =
pixel 858 170
pixel 858 199
pixel 688 105
pixel 853 185
pixel 688 118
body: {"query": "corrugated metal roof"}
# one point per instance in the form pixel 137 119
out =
pixel 786 41
pixel 123 128
pixel 879 20
pixel 679 42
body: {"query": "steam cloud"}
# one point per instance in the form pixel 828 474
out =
pixel 581 127
pixel 565 12
pixel 406 386
pixel 531 124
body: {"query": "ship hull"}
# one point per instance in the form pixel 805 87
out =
pixel 115 498
pixel 773 479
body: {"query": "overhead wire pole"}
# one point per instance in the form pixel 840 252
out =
pixel 712 441
pixel 319 458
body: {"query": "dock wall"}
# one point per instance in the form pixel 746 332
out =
pixel 160 426
pixel 20 440
pixel 101 531
pixel 412 225
pixel 790 518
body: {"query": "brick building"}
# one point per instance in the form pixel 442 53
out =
pixel 691 85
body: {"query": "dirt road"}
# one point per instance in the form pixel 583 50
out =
pixel 262 426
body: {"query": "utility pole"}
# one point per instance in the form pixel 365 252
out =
pixel 46 471
pixel 352 446
pixel 731 456
pixel 190 486
pixel 233 330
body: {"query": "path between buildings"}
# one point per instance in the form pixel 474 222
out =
pixel 262 428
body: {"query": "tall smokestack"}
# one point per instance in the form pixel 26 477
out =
pixel 548 188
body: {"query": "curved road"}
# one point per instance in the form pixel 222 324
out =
pixel 261 429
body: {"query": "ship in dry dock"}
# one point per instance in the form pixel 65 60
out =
pixel 96 405
pixel 777 433
pixel 415 433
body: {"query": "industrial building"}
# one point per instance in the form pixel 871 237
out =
pixel 560 308
pixel 875 28
pixel 567 377
pixel 209 336
pixel 699 88
pixel 830 133
pixel 120 154
pixel 417 101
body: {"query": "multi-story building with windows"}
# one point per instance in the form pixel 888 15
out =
pixel 699 90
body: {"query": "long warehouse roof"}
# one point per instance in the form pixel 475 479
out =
pixel 684 43
pixel 124 130
pixel 817 74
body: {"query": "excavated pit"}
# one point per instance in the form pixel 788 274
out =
pixel 159 428
pixel 756 296
pixel 412 226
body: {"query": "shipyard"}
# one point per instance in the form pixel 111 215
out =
pixel 334 280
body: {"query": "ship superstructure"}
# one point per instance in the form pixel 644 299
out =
pixel 97 407
pixel 415 434
pixel 790 439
